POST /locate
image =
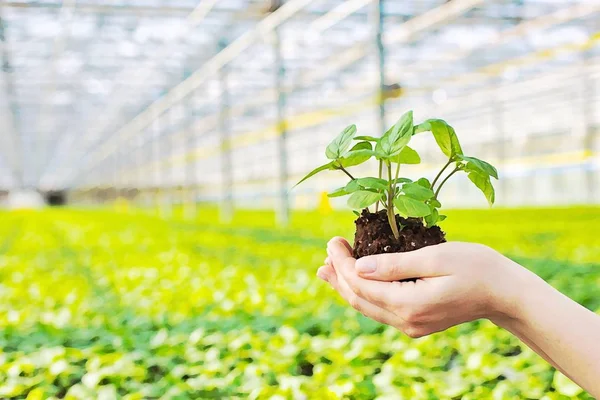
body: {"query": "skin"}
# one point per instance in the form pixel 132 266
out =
pixel 461 282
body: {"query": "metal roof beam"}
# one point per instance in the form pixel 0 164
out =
pixel 335 62
pixel 106 117
pixel 176 94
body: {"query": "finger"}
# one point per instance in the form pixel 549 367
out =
pixel 387 295
pixel 375 292
pixel 344 242
pixel 361 305
pixel 398 266
pixel 338 251
pixel 325 272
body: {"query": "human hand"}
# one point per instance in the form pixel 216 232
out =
pixel 455 283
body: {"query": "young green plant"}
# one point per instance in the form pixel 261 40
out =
pixel 416 199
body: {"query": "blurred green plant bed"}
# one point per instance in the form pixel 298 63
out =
pixel 95 304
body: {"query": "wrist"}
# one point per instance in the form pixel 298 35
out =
pixel 510 297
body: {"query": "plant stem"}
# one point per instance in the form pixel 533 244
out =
pixel 390 206
pixel 437 192
pixel 380 173
pixel 347 173
pixel 441 172
pixel 396 178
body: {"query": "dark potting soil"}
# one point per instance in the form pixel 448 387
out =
pixel 374 235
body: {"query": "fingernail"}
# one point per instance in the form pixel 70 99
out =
pixel 322 276
pixel 366 265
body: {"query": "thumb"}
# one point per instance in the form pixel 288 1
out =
pixel 399 266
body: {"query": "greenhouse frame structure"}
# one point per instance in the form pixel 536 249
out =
pixel 182 102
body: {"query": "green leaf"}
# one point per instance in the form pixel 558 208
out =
pixel 422 127
pixel 484 184
pixel 479 166
pixel 358 154
pixel 352 186
pixel 356 213
pixel 356 157
pixel 444 135
pixel 435 203
pixel 407 156
pixel 379 153
pixel 441 218
pixel 432 218
pixel 456 147
pixel 565 386
pixel 362 146
pixel 363 198
pixel 367 138
pixel 316 171
pixel 341 143
pixel 398 136
pixel 402 180
pixel 424 182
pixel 410 207
pixel 416 191
pixel 373 183
pixel 338 192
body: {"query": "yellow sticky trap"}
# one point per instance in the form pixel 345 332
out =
pixel 324 204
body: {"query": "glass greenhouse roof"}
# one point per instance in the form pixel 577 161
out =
pixel 83 80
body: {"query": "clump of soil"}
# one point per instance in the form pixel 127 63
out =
pixel 374 235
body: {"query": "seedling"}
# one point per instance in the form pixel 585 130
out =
pixel 413 200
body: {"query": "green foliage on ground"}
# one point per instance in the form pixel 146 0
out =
pixel 95 304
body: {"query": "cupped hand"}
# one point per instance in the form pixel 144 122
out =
pixel 455 283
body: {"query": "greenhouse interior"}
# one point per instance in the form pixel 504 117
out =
pixel 176 175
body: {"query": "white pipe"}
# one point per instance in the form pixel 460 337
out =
pixel 337 14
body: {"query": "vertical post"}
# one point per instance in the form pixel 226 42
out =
pixel 378 24
pixel 499 134
pixel 118 181
pixel 139 178
pixel 154 159
pixel 283 208
pixel 170 195
pixel 167 197
pixel 124 175
pixel 587 96
pixel 113 179
pixel 226 211
pixel 190 166
pixel 128 178
pixel 188 194
pixel 17 159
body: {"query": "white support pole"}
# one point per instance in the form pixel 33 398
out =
pixel 226 209
pixel 283 208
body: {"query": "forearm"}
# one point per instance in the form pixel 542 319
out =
pixel 565 333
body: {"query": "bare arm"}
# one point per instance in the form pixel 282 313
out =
pixel 565 333
pixel 461 282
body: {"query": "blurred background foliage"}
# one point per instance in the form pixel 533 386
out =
pixel 98 303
